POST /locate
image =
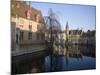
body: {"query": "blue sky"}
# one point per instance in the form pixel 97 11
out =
pixel 78 16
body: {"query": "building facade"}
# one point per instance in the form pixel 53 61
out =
pixel 89 37
pixel 27 25
pixel 72 36
pixel 78 36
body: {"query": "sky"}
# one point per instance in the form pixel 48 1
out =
pixel 78 16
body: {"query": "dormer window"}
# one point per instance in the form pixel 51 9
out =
pixel 17 5
pixel 29 13
pixel 38 18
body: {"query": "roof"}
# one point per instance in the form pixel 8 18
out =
pixel 21 11
pixel 74 32
pixel 89 33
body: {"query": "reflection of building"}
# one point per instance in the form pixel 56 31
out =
pixel 27 25
pixel 74 51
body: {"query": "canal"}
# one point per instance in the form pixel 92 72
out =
pixel 73 57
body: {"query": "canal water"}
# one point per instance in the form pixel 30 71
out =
pixel 69 59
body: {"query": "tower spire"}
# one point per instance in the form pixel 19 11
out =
pixel 67 25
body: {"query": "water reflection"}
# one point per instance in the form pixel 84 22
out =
pixel 73 57
pixel 75 51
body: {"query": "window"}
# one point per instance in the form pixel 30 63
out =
pixel 16 38
pixel 28 13
pixel 42 36
pixel 69 32
pixel 21 35
pixel 21 26
pixel 21 22
pixel 38 18
pixel 30 35
pixel 37 36
pixel 30 27
pixel 38 27
pixel 17 5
